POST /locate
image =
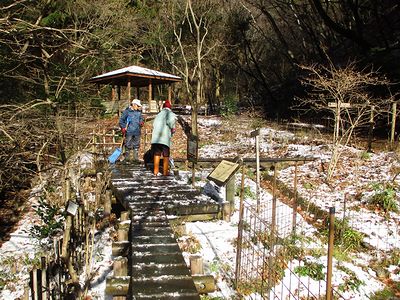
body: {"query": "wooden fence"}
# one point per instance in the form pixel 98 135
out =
pixel 57 275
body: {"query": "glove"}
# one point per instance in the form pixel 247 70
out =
pixel 173 130
pixel 123 130
pixel 141 124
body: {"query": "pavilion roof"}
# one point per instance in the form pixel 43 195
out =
pixel 138 77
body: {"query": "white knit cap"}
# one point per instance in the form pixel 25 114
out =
pixel 137 102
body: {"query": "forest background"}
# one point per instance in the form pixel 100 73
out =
pixel 252 54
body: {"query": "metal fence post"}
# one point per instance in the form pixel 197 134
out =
pixel 240 230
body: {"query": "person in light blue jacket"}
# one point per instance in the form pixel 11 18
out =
pixel 163 129
pixel 131 122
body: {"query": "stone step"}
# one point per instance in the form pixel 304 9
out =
pixel 162 284
pixel 170 296
pixel 148 223
pixel 151 270
pixel 155 248
pixel 162 239
pixel 150 231
pixel 157 258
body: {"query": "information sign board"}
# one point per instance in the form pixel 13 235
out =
pixel 192 148
pixel 255 133
pixel 342 104
pixel 153 106
pixel 223 172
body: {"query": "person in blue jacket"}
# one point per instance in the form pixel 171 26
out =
pixel 131 122
pixel 163 129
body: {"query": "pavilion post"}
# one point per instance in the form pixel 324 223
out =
pixel 128 88
pixel 113 93
pixel 150 93
pixel 170 93
pixel 119 96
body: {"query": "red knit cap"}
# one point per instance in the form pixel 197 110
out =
pixel 167 104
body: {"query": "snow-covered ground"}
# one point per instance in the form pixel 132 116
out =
pixel 228 138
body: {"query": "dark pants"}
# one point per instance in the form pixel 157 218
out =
pixel 132 142
pixel 160 149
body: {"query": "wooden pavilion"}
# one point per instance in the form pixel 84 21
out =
pixel 139 78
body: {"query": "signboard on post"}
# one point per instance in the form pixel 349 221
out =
pixel 192 148
pixel 223 172
pixel 255 133
pixel 153 106
pixel 342 104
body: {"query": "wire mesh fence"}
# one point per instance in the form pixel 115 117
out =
pixel 276 254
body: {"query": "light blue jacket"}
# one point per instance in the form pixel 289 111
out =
pixel 163 127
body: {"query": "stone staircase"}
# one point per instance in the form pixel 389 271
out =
pixel 156 267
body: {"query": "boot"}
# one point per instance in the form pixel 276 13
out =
pixel 131 155
pixel 126 157
pixel 135 155
pixel 156 164
pixel 165 166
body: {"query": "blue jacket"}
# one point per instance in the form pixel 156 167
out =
pixel 163 127
pixel 135 119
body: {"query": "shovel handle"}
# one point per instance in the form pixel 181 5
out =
pixel 123 138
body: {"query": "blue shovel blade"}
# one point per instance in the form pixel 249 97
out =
pixel 115 155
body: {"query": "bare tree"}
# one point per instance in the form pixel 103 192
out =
pixel 191 46
pixel 347 94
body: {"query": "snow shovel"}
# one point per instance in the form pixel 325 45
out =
pixel 117 152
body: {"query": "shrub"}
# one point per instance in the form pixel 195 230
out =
pixel 365 155
pixel 230 106
pixel 312 270
pixel 52 220
pixel 351 282
pixel 384 197
pixel 345 237
pixel 247 193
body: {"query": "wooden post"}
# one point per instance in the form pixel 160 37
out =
pixel 99 186
pixel 93 141
pixel 68 221
pixel 196 264
pixel 371 129
pixel 240 230
pixel 26 293
pixel 393 129
pixel 226 211
pixel 117 286
pixel 128 90
pixel 230 192
pixel 170 93
pixel 124 216
pixel 66 237
pixel 35 288
pixel 120 266
pixel 193 174
pixel 120 248
pixel 330 253
pixel 123 231
pixel 294 212
pixel 258 172
pixel 150 96
pixel 104 140
pixel 256 135
pixel 44 277
pixel 107 203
